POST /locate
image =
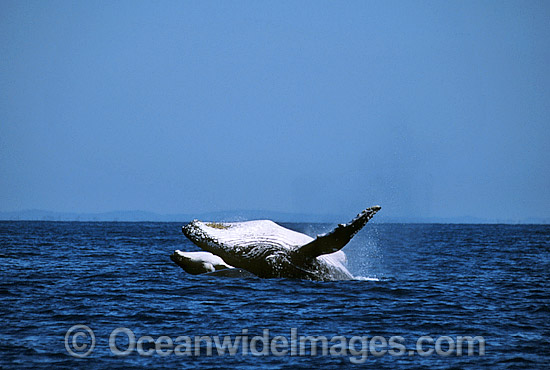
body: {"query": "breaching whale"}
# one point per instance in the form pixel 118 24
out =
pixel 269 250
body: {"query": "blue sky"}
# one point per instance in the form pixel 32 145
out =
pixel 430 109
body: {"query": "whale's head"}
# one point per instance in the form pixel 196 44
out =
pixel 203 234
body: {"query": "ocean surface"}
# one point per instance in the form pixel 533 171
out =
pixel 414 280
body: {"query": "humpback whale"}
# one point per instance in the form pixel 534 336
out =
pixel 268 250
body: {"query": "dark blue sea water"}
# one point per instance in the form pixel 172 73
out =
pixel 424 280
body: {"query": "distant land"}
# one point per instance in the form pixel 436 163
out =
pixel 242 215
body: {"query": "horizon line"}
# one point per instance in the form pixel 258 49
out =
pixel 245 215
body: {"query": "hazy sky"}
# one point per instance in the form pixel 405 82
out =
pixel 430 109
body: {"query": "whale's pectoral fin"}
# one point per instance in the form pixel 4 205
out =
pixel 198 262
pixel 336 239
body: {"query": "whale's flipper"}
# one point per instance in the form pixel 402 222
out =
pixel 336 239
pixel 198 262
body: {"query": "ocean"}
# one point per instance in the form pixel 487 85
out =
pixel 106 295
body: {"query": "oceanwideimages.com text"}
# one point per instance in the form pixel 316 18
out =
pixel 80 342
